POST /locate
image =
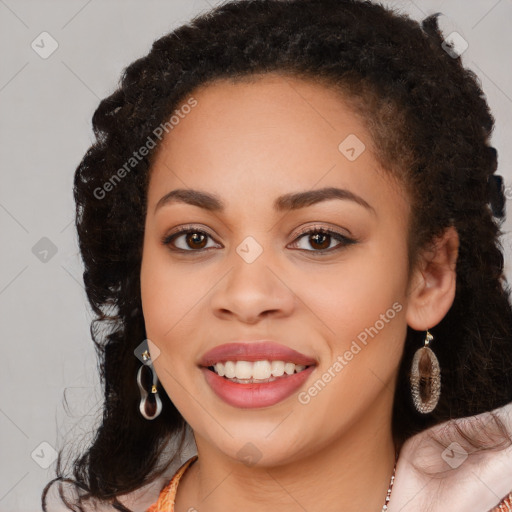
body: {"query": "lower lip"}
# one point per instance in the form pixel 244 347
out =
pixel 248 396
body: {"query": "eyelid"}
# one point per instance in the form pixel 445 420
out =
pixel 324 227
pixel 187 227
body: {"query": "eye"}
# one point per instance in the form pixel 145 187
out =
pixel 193 240
pixel 321 238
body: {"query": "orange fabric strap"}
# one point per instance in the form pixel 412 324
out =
pixel 165 502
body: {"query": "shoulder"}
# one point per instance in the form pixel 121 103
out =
pixel 439 470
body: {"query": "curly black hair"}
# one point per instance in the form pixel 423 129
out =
pixel 430 125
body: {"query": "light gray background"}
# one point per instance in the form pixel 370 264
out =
pixel 46 107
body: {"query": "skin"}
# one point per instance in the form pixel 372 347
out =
pixel 249 143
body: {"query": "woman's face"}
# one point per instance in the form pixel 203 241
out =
pixel 246 272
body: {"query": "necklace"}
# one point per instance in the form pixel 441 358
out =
pixel 388 495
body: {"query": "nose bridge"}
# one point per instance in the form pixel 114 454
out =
pixel 252 286
pixel 251 263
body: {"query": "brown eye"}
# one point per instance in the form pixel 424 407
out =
pixel 187 240
pixel 320 240
pixel 196 240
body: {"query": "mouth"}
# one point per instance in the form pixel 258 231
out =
pixel 256 374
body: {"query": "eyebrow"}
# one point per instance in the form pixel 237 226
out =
pixel 286 202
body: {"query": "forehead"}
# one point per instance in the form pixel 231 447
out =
pixel 264 106
pixel 265 134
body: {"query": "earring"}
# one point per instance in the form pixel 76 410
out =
pixel 425 378
pixel 150 405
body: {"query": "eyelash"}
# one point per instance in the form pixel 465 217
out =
pixel 344 240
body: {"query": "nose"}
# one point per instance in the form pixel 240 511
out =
pixel 250 292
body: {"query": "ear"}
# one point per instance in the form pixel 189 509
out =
pixel 432 286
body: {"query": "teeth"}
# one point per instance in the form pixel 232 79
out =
pixel 277 368
pixel 258 370
pixel 229 369
pixel 289 368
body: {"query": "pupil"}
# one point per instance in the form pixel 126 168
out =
pixel 194 238
pixel 315 237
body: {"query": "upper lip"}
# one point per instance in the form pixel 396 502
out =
pixel 254 351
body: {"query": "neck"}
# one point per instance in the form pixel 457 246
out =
pixel 351 472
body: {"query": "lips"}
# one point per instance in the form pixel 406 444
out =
pixel 255 394
pixel 252 396
pixel 254 351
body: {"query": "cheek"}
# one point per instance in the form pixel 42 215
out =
pixel 169 297
pixel 168 293
pixel 154 291
pixel 361 310
pixel 360 288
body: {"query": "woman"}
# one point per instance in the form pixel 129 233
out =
pixel 290 222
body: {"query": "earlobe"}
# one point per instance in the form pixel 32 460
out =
pixel 432 287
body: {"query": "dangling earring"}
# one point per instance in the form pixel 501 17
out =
pixel 150 404
pixel 425 378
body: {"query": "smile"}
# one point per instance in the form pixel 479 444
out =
pixel 255 374
pixel 254 371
